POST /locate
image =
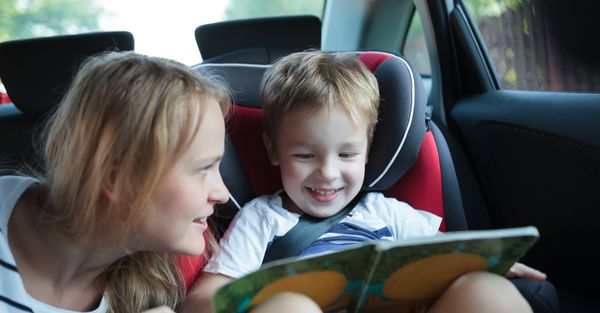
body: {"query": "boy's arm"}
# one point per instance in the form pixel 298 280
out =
pixel 199 298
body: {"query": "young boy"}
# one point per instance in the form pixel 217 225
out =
pixel 320 111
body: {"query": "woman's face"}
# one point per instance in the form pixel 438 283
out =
pixel 177 215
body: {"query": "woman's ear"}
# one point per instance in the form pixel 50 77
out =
pixel 270 152
pixel 108 185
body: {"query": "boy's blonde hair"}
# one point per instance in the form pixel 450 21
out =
pixel 121 127
pixel 317 80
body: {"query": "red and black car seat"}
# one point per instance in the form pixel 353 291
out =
pixel 409 158
pixel 404 160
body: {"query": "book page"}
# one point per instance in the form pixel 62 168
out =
pixel 332 280
pixel 401 276
pixel 413 273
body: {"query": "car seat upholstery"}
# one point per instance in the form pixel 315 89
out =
pixel 36 73
pixel 409 158
pixel 257 40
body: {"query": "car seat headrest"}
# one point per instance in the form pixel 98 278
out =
pixel 36 72
pixel 401 121
pixel 257 40
pixel 398 134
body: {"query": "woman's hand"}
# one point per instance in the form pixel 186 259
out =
pixel 160 309
pixel 524 271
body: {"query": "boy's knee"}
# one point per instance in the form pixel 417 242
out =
pixel 477 290
pixel 482 281
pixel 287 302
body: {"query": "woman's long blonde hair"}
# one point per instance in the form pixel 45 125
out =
pixel 120 128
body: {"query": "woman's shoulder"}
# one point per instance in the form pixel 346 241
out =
pixel 8 182
pixel 11 190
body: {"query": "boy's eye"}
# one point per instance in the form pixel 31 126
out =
pixel 346 155
pixel 303 156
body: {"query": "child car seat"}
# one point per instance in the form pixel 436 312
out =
pixel 409 158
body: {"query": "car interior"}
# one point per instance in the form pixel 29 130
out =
pixel 478 166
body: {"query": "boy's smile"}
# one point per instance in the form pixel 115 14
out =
pixel 322 156
pixel 324 195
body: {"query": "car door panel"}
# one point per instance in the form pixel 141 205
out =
pixel 537 156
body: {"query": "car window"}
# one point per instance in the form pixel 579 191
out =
pixel 161 28
pixel 415 46
pixel 528 49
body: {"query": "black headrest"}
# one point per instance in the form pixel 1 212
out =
pixel 398 134
pixel 36 72
pixel 258 40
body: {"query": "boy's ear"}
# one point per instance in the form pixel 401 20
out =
pixel 270 153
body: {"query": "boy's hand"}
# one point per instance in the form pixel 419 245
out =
pixel 524 271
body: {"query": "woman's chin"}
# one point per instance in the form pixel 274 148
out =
pixel 191 245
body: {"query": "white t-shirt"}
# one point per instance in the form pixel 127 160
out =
pixel 13 296
pixel 263 219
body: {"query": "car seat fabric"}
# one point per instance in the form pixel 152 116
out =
pixel 36 73
pixel 257 40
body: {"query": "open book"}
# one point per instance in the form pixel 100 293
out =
pixel 381 276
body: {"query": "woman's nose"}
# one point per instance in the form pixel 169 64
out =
pixel 219 193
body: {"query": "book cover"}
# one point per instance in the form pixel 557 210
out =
pixel 381 276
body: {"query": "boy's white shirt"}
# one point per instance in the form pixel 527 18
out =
pixel 244 244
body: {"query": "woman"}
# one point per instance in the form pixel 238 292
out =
pixel 132 173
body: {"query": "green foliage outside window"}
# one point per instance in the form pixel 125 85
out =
pixel 33 18
pixel 239 9
pixel 536 44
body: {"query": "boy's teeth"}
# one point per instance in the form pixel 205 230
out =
pixel 324 192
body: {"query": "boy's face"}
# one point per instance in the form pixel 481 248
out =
pixel 322 158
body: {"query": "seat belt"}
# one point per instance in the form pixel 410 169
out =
pixel 306 231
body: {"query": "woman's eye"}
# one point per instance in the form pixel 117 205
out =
pixel 208 167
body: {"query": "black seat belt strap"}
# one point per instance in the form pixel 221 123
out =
pixel 306 231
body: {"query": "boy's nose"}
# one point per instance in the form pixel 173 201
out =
pixel 328 169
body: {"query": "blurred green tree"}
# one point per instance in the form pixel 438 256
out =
pixel 32 18
pixel 482 8
pixel 239 9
